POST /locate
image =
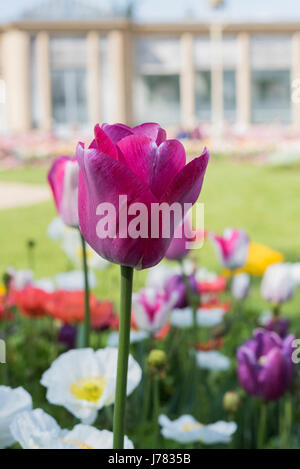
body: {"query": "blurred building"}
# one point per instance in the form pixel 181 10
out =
pixel 69 64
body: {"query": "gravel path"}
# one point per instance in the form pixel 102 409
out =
pixel 13 194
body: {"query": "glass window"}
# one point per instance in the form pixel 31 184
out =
pixel 68 80
pixel 229 87
pixel 156 89
pixel 203 95
pixel 271 96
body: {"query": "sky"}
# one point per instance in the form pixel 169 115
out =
pixel 176 10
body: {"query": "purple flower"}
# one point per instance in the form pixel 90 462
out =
pixel 265 367
pixel 177 284
pixel 67 336
pixel 278 325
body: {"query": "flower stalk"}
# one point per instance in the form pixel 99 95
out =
pixel 123 353
pixel 87 313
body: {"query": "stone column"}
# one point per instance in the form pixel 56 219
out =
pixel 93 77
pixel 43 77
pixel 243 81
pixel 187 82
pixel 295 78
pixel 120 55
pixel 15 48
pixel 217 99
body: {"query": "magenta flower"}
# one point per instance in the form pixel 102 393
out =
pixel 180 244
pixel 177 284
pixel 278 325
pixel 151 308
pixel 231 248
pixel 265 367
pixel 147 169
pixel 63 180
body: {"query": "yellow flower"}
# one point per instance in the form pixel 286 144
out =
pixel 259 258
pixel 2 290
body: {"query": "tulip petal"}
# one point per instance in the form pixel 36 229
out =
pixel 275 375
pixel 187 184
pixel 117 131
pixel 247 370
pixel 151 130
pixel 169 161
pixel 104 143
pixel 156 166
pixel 100 170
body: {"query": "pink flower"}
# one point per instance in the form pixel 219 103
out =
pixel 142 165
pixel 151 308
pixel 180 244
pixel 63 179
pixel 231 248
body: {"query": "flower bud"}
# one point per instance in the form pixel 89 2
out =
pixel 157 360
pixel 231 401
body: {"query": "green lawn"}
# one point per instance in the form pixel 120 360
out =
pixel 263 200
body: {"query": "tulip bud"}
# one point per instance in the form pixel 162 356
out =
pixel 157 360
pixel 231 401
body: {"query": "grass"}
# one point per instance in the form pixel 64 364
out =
pixel 28 174
pixel 264 200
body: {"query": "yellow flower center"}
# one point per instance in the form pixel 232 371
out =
pixel 191 426
pixel 262 360
pixel 79 444
pixel 89 389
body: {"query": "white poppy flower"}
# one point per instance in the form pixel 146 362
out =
pixel 84 381
pixel 35 429
pixel 206 317
pixel 45 284
pixel 12 401
pixel 135 336
pixel 204 275
pixel 212 360
pixel 74 280
pixel 186 429
pixel 71 245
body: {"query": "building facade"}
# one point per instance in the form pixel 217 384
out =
pixel 74 73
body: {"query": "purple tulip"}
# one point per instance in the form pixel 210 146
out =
pixel 183 237
pixel 67 336
pixel 177 284
pixel 278 325
pixel 142 166
pixel 265 367
pixel 63 180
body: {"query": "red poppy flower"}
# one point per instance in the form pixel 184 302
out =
pixel 68 306
pixel 31 301
pixel 102 315
pixel 216 286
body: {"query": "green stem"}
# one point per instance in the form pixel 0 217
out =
pixel 156 410
pixel 261 437
pixel 287 419
pixel 87 314
pixel 147 398
pixel 123 352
